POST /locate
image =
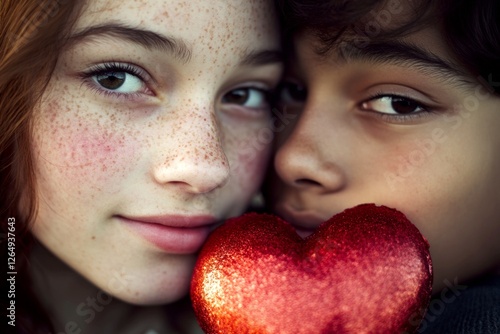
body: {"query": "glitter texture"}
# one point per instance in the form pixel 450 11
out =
pixel 366 270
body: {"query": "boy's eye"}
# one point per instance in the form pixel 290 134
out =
pixel 393 104
pixel 292 92
pixel 120 82
pixel 247 97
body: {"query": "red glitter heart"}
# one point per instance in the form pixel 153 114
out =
pixel 366 270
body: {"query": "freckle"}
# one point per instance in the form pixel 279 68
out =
pixel 93 237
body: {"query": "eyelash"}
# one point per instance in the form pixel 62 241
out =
pixel 109 67
pixel 401 118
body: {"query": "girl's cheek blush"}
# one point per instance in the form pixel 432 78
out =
pixel 249 156
pixel 91 154
pixel 102 155
pixel 253 163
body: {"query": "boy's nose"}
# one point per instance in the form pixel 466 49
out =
pixel 310 158
pixel 194 161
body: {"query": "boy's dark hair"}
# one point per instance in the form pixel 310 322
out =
pixel 470 27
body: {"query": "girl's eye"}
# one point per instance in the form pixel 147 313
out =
pixel 253 98
pixel 120 82
pixel 117 79
pixel 393 104
pixel 291 93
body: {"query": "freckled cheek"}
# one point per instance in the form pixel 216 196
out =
pixel 90 160
pixel 249 157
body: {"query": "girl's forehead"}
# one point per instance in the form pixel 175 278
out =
pixel 209 31
pixel 181 15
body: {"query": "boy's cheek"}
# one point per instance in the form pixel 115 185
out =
pixel 417 165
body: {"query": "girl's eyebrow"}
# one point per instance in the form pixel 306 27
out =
pixel 145 38
pixel 152 40
pixel 405 54
pixel 266 57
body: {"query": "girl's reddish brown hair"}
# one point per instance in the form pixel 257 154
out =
pixel 32 34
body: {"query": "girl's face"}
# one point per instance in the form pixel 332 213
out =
pixel 397 125
pixel 149 134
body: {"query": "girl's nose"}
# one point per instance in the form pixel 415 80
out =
pixel 311 157
pixel 194 161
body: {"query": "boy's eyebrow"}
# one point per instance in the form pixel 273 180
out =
pixel 404 53
pixel 175 46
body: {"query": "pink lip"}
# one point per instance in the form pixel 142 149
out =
pixel 305 222
pixel 174 234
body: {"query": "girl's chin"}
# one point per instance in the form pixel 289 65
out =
pixel 152 298
pixel 149 293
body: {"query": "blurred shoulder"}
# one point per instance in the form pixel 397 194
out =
pixel 465 308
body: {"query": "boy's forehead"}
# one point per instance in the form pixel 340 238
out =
pixel 392 14
pixel 423 50
pixel 389 22
pixel 387 19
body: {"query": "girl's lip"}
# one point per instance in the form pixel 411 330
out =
pixel 173 234
pixel 173 220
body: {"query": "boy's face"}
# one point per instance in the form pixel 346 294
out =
pixel 395 127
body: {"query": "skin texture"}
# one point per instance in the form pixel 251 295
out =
pixel 167 142
pixel 439 166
